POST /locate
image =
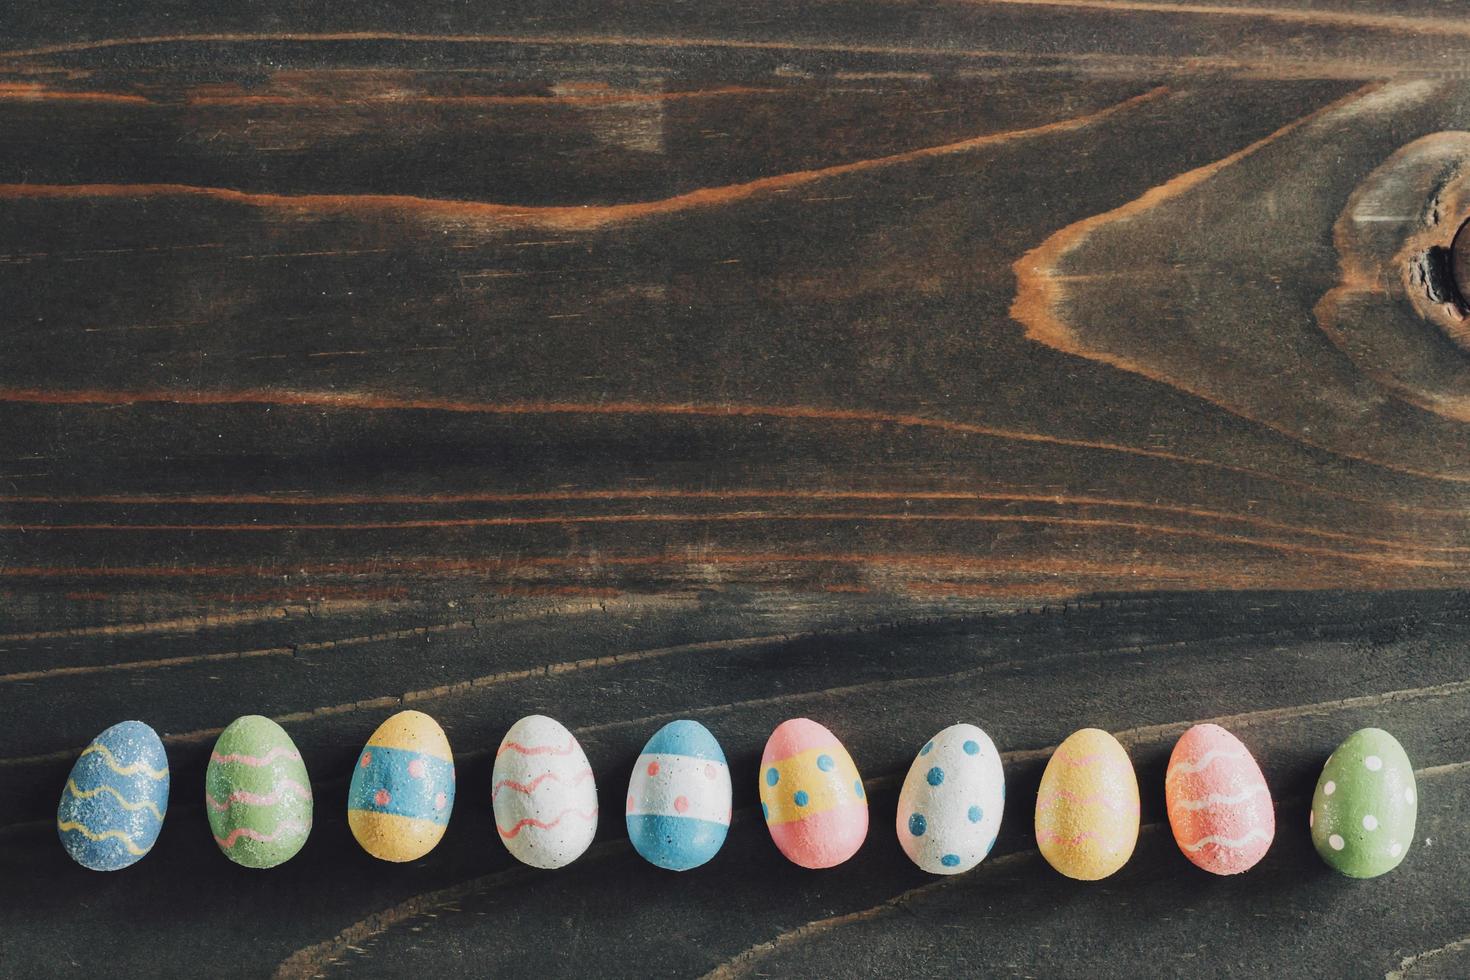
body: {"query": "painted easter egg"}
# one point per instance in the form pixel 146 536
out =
pixel 402 788
pixel 1218 802
pixel 544 796
pixel 1087 806
pixel 113 804
pixel 950 806
pixel 812 795
pixel 679 797
pixel 257 794
pixel 1365 806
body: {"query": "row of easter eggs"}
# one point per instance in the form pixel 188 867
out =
pixel 259 801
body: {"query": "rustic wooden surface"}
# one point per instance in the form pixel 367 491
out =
pixel 1038 363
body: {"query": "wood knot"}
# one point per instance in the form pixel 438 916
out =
pixel 1433 270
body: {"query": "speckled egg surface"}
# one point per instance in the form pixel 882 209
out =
pixel 115 798
pixel 402 788
pixel 811 795
pixel 544 796
pixel 257 794
pixel 1087 806
pixel 1365 806
pixel 678 809
pixel 1218 802
pixel 950 806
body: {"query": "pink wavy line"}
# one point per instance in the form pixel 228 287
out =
pixel 588 815
pixel 1086 760
pixel 1108 760
pixel 1052 837
pixel 1049 801
pixel 253 760
pixel 537 749
pixel 530 787
pixel 255 799
pixel 290 826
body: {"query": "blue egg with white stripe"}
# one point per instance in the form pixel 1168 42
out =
pixel 115 798
pixel 678 805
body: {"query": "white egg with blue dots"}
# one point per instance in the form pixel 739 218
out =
pixel 950 807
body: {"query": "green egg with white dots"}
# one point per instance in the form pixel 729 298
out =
pixel 1364 809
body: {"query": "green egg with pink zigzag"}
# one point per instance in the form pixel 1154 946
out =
pixel 257 794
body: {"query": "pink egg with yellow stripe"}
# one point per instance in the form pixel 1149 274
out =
pixel 1219 805
pixel 812 795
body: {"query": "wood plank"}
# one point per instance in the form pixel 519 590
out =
pixel 1040 363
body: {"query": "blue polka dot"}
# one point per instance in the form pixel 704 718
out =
pixel 765 811
pixel 917 825
pixel 825 763
pixel 976 814
pixel 801 798
pixel 772 777
pixel 990 845
pixel 936 776
pixel 950 860
pixel 857 788
pixel 926 748
pixel 972 747
pixel 1002 790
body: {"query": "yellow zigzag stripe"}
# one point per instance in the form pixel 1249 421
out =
pixel 131 770
pixel 86 832
pixel 71 785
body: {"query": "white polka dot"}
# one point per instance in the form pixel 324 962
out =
pixel 1396 849
pixel 1370 822
pixel 1373 763
pixel 1312 819
pixel 1409 795
pixel 1336 842
pixel 1329 789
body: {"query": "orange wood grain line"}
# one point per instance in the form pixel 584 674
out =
pixel 533 40
pixel 855 517
pixel 363 401
pixel 1301 16
pixel 424 98
pixel 653 494
pixel 587 217
pixel 40 92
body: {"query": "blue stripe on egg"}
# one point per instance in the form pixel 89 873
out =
pixel 675 843
pixel 685 737
pixel 388 778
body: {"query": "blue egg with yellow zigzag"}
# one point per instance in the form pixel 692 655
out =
pixel 113 804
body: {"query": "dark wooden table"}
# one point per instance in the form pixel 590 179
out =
pixel 1034 363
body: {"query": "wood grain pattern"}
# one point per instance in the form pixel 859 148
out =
pixel 1040 363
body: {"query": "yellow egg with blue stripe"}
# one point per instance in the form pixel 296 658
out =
pixel 115 797
pixel 402 788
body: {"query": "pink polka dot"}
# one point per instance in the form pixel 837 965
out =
pixel 381 797
pixel 416 769
pixel 367 759
pixel 653 768
pixel 452 772
pixel 630 804
pixel 709 771
pixel 440 801
pixel 681 804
